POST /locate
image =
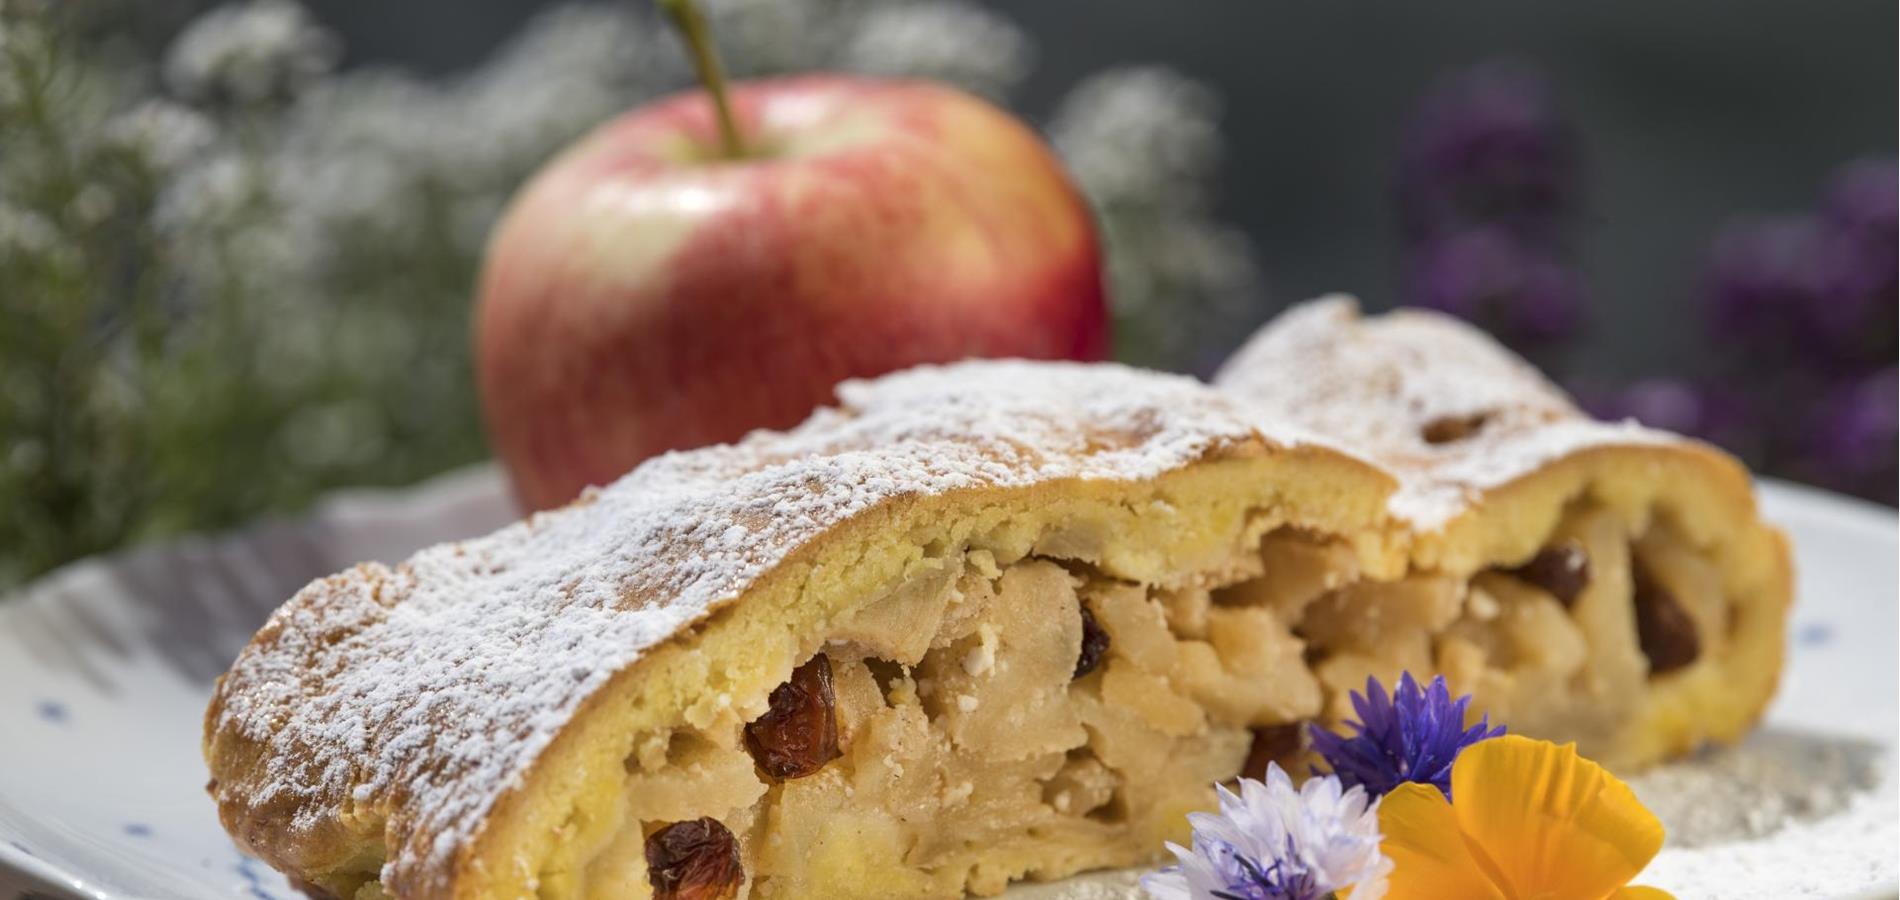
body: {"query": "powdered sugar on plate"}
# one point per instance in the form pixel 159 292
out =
pixel 1774 780
pixel 1765 818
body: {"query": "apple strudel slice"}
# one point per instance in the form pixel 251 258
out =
pixel 1619 588
pixel 979 623
pixel 963 629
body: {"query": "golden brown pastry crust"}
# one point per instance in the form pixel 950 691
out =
pixel 1489 456
pixel 436 723
pixel 456 726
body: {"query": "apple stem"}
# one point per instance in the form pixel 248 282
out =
pixel 692 27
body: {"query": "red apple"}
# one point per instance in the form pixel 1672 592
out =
pixel 648 291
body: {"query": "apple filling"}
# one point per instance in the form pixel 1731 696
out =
pixel 992 722
pixel 1564 645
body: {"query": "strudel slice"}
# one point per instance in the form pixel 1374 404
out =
pixel 978 623
pixel 1602 583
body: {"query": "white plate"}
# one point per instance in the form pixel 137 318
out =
pixel 105 668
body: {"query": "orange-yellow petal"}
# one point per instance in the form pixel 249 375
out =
pixel 1550 823
pixel 1430 860
pixel 1638 892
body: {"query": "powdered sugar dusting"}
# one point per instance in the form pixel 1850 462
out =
pixel 1849 855
pixel 1754 790
pixel 1439 404
pixel 420 693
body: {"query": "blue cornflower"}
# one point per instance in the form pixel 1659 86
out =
pixel 1413 736
pixel 1273 841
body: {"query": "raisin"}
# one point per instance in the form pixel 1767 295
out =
pixel 1561 569
pixel 1446 429
pixel 1094 644
pixel 696 860
pixel 1663 628
pixel 799 734
pixel 1274 743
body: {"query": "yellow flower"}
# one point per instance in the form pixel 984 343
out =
pixel 1531 821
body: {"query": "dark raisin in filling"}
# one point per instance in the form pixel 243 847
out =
pixel 1447 429
pixel 1663 628
pixel 1094 644
pixel 694 860
pixel 1274 743
pixel 799 734
pixel 1561 569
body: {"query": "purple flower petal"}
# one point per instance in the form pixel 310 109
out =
pixel 1487 146
pixel 1850 442
pixel 1413 736
pixel 1493 278
pixel 1821 292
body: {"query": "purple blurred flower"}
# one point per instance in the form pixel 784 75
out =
pixel 1864 195
pixel 1487 147
pixel 1852 441
pixel 1668 403
pixel 1860 261
pixel 1820 291
pixel 1759 281
pixel 1717 414
pixel 1494 278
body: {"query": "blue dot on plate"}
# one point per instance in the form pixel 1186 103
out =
pixel 138 829
pixel 52 711
pixel 247 867
pixel 1814 634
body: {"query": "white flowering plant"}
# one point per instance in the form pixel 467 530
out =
pixel 235 276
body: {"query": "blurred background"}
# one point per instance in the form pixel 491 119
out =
pixel 238 241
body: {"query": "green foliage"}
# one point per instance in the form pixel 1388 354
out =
pixel 169 360
pixel 233 278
